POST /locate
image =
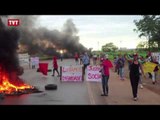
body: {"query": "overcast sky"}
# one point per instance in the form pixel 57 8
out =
pixel 97 30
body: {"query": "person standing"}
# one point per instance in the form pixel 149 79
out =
pixel 55 66
pixel 134 75
pixel 61 56
pixel 105 66
pixel 94 59
pixel 81 56
pixel 154 73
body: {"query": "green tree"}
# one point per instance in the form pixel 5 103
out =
pixel 149 27
pixel 143 45
pixel 109 47
pixel 156 34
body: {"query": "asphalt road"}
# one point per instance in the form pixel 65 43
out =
pixel 80 93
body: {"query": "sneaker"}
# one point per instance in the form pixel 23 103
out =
pixel 106 95
pixel 135 99
pixel 102 94
pixel 141 86
pixel 153 82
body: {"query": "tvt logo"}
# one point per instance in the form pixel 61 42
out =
pixel 13 22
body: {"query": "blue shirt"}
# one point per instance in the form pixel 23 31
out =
pixel 85 59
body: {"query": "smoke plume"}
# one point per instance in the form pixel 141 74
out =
pixel 48 42
pixel 8 46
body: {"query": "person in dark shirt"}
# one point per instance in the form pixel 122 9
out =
pixel 134 75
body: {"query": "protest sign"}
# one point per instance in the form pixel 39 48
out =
pixel 93 73
pixel 71 73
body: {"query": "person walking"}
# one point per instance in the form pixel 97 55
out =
pixel 134 75
pixel 120 63
pixel 105 66
pixel 55 66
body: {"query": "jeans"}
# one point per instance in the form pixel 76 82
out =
pixel 105 83
pixel 84 68
pixel 121 72
pixel 140 79
pixel 154 75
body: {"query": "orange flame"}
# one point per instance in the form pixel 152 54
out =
pixel 7 87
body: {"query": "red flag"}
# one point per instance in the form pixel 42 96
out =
pixel 43 67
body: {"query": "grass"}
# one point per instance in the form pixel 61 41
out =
pixel 113 54
pixel 45 57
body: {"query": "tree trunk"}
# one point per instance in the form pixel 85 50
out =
pixel 149 43
pixel 158 44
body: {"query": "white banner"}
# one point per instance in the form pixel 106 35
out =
pixel 157 55
pixel 72 73
pixel 93 73
pixel 35 61
pixel 23 59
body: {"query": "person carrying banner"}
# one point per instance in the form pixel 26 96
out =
pixel 106 64
pixel 86 61
pixel 134 75
pixel 33 62
pixel 55 66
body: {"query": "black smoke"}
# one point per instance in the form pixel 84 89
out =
pixel 47 42
pixel 8 47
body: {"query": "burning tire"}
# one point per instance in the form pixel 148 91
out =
pixel 38 70
pixel 51 87
pixel 49 70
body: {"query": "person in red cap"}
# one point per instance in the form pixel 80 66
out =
pixel 55 66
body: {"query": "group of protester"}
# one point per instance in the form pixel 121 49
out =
pixel 79 59
pixel 134 66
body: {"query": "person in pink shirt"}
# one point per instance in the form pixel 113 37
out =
pixel 105 66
